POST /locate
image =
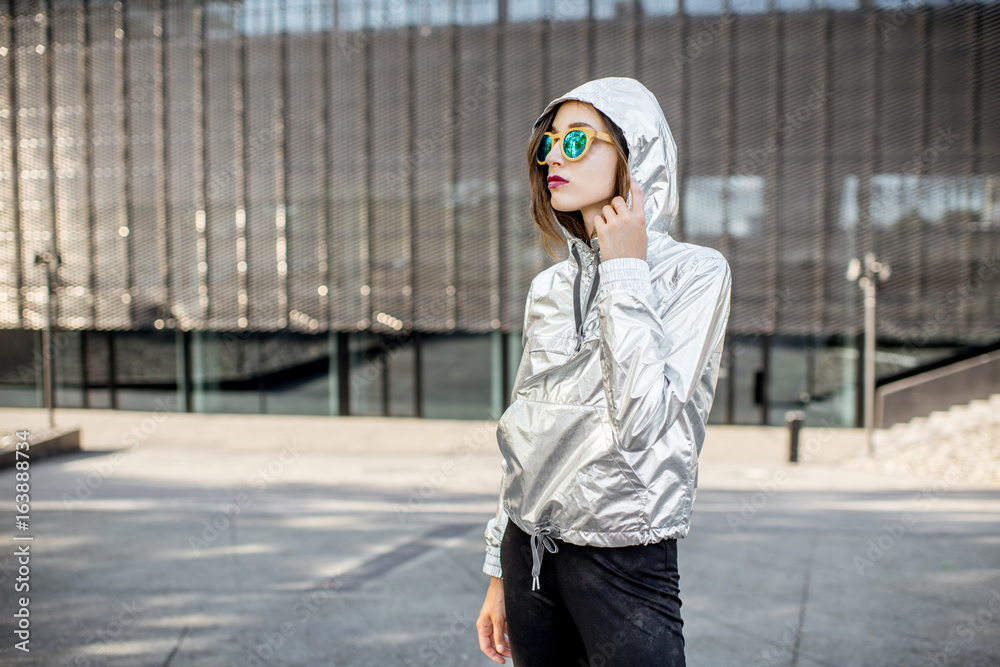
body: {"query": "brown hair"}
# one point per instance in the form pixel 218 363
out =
pixel 546 218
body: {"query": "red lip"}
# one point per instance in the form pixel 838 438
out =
pixel 556 181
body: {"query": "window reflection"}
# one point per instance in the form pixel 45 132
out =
pixel 899 199
pixel 714 205
pixel 456 376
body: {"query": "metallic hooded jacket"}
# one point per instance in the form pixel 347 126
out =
pixel 601 441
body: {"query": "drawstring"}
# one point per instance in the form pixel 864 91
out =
pixel 540 541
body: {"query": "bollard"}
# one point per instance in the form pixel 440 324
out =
pixel 794 419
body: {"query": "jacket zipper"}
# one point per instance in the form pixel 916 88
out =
pixel 578 317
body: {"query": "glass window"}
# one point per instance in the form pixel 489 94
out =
pixel 789 381
pixel 716 204
pixel 524 10
pixel 293 373
pixel 68 368
pixel 20 369
pixel 720 406
pixel 793 5
pixel 438 12
pixel 746 364
pixel 298 17
pixel 456 376
pixel 749 6
pixel 145 365
pixel 660 7
pixel 607 9
pixel 568 10
pixel 745 205
pixel 704 207
pixel 704 6
pixel 848 5
pixel 832 376
pixel 401 354
pixel 367 373
pixel 98 353
pixel 477 12
pixel 909 198
pixel 225 376
pixel 350 14
pixel 849 203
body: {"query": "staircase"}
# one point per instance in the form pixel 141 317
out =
pixel 963 441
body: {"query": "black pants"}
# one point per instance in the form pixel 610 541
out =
pixel 596 607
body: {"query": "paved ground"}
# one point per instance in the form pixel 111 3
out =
pixel 188 540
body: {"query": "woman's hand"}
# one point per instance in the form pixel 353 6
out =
pixel 492 624
pixel 622 231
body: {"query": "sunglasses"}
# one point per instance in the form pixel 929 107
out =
pixel 574 143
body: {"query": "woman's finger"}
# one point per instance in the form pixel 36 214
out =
pixel 498 640
pixel 638 199
pixel 486 642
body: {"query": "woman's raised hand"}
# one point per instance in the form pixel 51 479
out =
pixel 492 624
pixel 620 230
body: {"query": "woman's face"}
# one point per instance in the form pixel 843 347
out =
pixel 589 182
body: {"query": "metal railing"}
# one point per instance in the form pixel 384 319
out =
pixel 938 389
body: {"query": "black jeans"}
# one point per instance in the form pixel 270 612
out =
pixel 596 606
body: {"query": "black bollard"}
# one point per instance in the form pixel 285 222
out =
pixel 794 419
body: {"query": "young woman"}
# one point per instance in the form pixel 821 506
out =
pixel 600 445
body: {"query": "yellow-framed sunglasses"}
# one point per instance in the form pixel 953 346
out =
pixel 575 143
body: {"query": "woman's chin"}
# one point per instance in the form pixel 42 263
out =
pixel 562 203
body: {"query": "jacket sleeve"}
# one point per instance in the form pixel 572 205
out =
pixel 495 529
pixel 496 526
pixel 657 339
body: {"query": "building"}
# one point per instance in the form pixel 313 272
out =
pixel 320 207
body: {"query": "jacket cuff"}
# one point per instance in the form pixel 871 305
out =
pixel 492 564
pixel 624 273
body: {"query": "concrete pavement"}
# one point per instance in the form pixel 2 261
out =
pixel 182 540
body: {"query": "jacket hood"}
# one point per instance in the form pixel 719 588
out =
pixel 651 148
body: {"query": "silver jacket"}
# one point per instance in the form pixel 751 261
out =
pixel 601 441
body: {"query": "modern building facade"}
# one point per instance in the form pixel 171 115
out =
pixel 320 206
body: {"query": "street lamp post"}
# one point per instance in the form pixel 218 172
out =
pixel 866 274
pixel 51 263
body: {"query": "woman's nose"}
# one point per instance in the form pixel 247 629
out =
pixel 555 154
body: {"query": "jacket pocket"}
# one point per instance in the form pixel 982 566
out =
pixel 565 469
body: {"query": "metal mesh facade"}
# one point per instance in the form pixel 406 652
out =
pixel 342 165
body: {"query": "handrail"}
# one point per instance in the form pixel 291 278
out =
pixel 938 389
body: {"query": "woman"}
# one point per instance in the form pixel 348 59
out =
pixel 600 445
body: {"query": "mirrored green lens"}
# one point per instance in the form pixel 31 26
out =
pixel 574 143
pixel 544 146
